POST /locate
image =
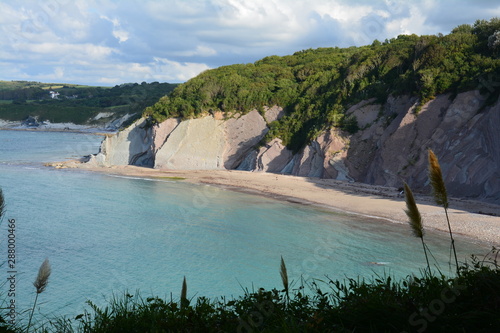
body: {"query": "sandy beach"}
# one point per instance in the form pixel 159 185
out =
pixel 473 219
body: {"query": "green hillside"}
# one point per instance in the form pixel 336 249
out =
pixel 75 103
pixel 18 84
pixel 316 86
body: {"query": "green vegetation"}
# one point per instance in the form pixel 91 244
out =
pixel 469 302
pixel 315 87
pixel 77 104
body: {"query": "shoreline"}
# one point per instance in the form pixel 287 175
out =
pixel 93 131
pixel 473 219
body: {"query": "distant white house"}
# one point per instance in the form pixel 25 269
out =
pixel 54 94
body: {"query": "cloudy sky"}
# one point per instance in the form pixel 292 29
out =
pixel 108 42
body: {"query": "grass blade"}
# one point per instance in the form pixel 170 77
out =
pixel 2 205
pixel 284 275
pixel 184 299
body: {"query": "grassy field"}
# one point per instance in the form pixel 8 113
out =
pixel 77 104
pixel 13 85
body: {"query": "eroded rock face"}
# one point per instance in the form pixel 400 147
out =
pixel 273 157
pixel 365 112
pixel 209 142
pixel 390 148
pixel 162 131
pixel 462 134
pixel 310 163
pixel 466 143
pixel 334 144
pixel 273 113
pixel 193 144
pixel 130 146
pixel 242 134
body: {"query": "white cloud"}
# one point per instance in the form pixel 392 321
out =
pixel 110 42
pixel 118 32
pixel 203 51
pixel 67 51
pixel 58 75
pixel 121 35
pixel 176 71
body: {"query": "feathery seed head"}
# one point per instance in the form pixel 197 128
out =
pixel 42 278
pixel 437 182
pixel 415 219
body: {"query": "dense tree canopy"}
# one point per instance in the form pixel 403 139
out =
pixel 77 104
pixel 316 86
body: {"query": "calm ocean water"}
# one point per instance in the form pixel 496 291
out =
pixel 106 234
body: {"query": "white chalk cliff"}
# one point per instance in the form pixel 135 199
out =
pixel 390 147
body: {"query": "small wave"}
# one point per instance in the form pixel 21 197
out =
pixel 144 178
pixel 379 263
pixel 22 164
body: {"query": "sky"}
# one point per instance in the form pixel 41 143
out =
pixel 110 42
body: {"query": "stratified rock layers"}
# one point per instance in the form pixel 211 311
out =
pixel 391 146
pixel 194 144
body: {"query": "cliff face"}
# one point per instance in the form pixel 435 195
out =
pixel 390 148
pixel 461 131
pixel 203 143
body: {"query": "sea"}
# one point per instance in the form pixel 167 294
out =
pixel 106 236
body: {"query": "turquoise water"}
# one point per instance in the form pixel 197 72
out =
pixel 106 234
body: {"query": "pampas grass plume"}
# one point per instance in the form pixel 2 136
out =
pixel 42 279
pixel 437 182
pixel 440 196
pixel 415 219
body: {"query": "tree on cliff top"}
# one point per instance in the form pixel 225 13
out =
pixel 315 87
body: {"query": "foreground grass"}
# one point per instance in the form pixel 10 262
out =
pixel 431 303
pixel 470 302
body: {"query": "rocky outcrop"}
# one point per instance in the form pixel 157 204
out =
pixel 390 147
pixel 211 142
pixel 273 157
pixel 161 133
pixel 243 133
pixel 273 113
pixel 129 146
pixel 459 130
pixel 194 144
pixel 334 144
pixel 135 145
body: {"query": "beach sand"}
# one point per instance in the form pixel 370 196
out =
pixel 473 219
